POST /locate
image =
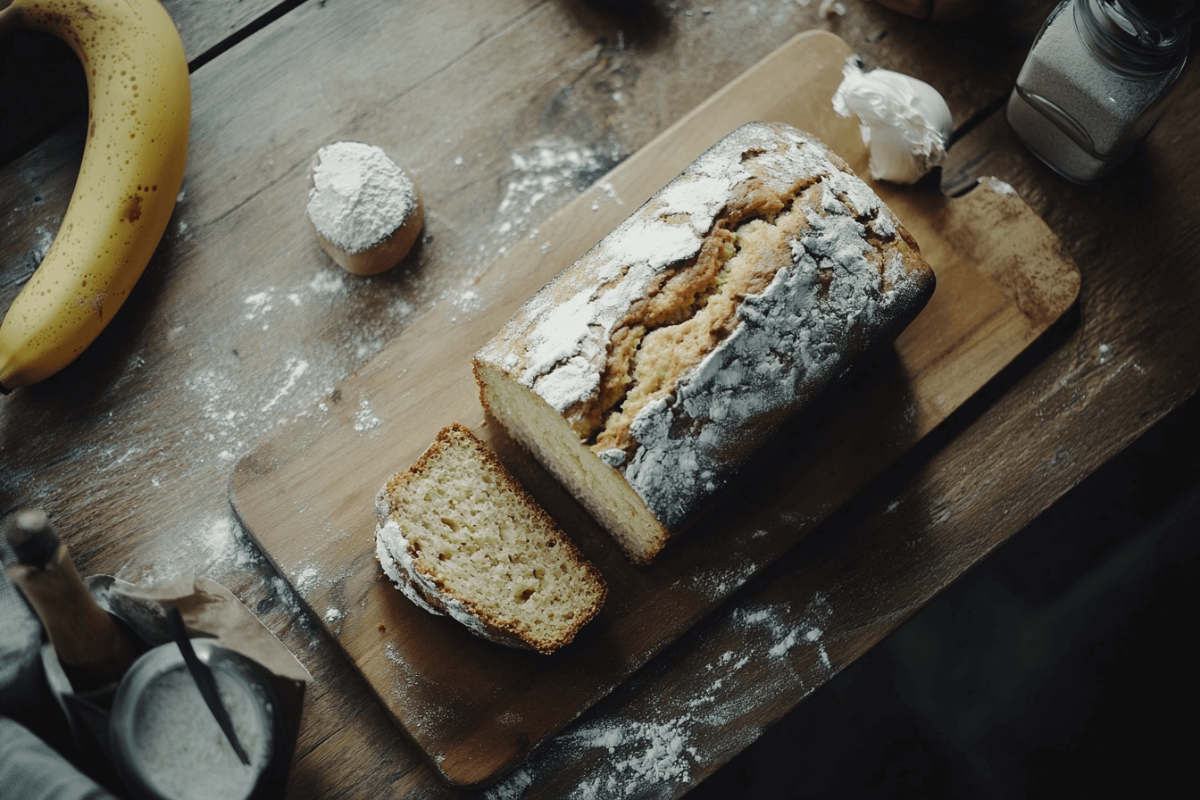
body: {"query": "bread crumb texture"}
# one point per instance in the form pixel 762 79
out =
pixel 459 535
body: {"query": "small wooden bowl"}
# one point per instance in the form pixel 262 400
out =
pixel 383 255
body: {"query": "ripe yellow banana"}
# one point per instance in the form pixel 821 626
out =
pixel 139 99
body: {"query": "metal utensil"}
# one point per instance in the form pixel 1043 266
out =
pixel 205 682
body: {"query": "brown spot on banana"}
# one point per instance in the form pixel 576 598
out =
pixel 133 208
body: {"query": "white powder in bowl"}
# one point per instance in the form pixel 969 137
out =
pixel 359 196
pixel 181 749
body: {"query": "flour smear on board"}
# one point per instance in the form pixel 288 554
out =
pixel 659 747
pixel 234 410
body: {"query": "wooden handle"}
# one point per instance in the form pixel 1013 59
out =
pixel 84 635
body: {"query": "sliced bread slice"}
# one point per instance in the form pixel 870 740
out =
pixel 460 536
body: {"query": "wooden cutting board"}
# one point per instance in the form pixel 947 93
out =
pixel 474 708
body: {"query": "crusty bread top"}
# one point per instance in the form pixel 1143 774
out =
pixel 459 535
pixel 740 289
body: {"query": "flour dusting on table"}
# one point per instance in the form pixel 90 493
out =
pixel 469 301
pixel 723 581
pixel 258 303
pixel 551 170
pixel 294 369
pixel 235 409
pixel 365 421
pixel 214 548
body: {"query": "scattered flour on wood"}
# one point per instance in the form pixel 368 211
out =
pixel 1000 187
pixel 827 8
pixel 365 421
pixel 645 759
pixel 421 696
pixel 216 548
pixel 258 304
pixel 513 786
pixel 326 283
pixel 307 579
pixel 315 584
pixel 289 600
pixel 466 302
pixel 469 301
pixel 786 636
pixel 651 750
pixel 294 369
pixel 606 190
pixel 231 416
pixel 552 170
pixel 723 581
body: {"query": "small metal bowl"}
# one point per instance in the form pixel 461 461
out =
pixel 165 741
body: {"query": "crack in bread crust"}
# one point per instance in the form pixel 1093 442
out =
pixel 694 307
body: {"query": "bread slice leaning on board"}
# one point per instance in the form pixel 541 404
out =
pixel 458 535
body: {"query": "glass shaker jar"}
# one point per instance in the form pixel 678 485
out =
pixel 1095 80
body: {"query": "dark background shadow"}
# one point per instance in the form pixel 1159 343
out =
pixel 1055 665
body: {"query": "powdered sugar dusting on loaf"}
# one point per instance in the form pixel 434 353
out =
pixel 391 548
pixel 700 199
pixel 789 337
pixel 563 361
pixel 789 343
pixel 834 291
pixel 560 388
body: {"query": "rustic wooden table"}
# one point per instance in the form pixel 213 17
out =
pixel 505 110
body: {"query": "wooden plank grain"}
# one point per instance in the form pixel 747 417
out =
pixel 206 25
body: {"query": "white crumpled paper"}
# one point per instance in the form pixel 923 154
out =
pixel 904 122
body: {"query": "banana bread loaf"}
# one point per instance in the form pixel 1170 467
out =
pixel 645 374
